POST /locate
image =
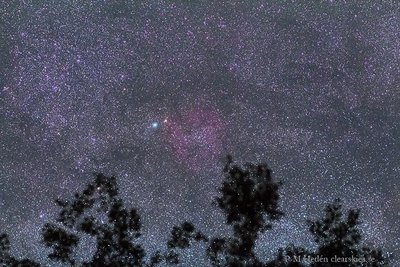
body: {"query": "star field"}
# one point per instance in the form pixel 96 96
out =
pixel 158 92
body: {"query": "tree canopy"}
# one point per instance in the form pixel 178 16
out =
pixel 249 199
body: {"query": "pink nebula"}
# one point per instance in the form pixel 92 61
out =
pixel 196 137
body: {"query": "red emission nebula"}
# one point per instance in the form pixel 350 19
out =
pixel 195 136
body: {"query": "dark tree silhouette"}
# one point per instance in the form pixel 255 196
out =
pixel 249 199
pixel 341 238
pixel 7 260
pixel 338 242
pixel 181 238
pixel 98 212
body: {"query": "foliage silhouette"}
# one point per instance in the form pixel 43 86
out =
pixel 98 212
pixel 336 238
pixel 248 197
pixel 340 237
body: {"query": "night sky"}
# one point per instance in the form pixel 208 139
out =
pixel 157 93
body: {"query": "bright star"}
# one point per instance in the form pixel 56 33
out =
pixel 154 125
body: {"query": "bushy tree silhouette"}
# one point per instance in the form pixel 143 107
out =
pixel 181 238
pixel 338 243
pixel 339 237
pixel 248 197
pixel 98 212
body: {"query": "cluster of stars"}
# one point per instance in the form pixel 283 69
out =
pixel 158 92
